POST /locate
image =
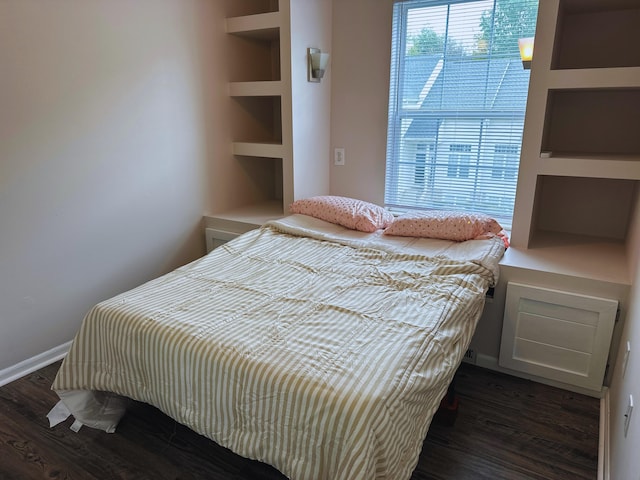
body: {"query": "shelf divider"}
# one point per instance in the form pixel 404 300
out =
pixel 262 25
pixel 594 78
pixel 256 149
pixel 255 89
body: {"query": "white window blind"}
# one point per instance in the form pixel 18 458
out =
pixel 457 102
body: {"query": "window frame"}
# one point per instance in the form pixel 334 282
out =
pixel 400 115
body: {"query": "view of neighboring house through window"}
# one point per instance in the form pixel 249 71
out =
pixel 505 162
pixel 457 101
pixel 459 160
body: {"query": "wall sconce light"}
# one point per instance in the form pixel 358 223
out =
pixel 526 51
pixel 316 64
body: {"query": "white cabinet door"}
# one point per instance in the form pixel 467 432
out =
pixel 557 335
pixel 214 237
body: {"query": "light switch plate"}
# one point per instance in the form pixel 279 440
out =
pixel 625 361
pixel 627 416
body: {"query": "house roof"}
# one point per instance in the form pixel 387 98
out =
pixel 469 85
pixel 417 70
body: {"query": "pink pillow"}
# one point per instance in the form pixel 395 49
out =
pixel 348 212
pixel 457 226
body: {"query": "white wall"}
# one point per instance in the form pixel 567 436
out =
pixel 105 122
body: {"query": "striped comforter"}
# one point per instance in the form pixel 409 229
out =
pixel 321 351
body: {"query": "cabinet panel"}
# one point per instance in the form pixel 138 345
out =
pixel 215 237
pixel 549 361
pixel 542 337
pixel 556 332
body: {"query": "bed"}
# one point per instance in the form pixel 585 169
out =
pixel 318 349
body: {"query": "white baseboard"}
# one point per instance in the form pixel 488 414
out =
pixel 603 441
pixel 32 364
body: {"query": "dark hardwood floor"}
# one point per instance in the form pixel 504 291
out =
pixel 507 428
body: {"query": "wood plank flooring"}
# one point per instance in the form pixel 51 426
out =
pixel 507 428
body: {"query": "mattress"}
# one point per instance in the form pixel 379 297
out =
pixel 322 351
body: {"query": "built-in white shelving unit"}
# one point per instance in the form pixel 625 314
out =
pixel 267 68
pixel 581 149
pixel 576 224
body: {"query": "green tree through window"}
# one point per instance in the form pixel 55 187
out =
pixel 504 25
pixel 428 42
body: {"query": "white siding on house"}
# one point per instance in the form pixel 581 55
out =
pixel 470 163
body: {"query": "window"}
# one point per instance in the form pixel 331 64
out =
pixel 421 162
pixel 457 102
pixel 505 162
pixel 459 161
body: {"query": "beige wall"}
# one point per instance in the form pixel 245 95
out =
pixel 105 138
pixel 311 105
pixel 360 95
pixel 625 462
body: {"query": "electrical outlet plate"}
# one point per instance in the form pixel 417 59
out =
pixel 338 156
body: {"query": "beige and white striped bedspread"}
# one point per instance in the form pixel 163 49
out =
pixel 325 357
